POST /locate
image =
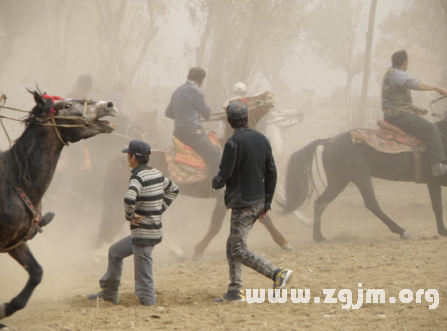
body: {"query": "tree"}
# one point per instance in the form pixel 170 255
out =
pixel 333 34
pixel 367 64
pixel 127 29
pixel 241 40
pixel 421 29
pixel 15 18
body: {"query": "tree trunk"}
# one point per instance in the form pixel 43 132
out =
pixel 367 64
pixel 215 85
pixel 204 38
pixel 444 5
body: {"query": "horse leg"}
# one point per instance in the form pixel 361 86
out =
pixel 216 224
pixel 330 193
pixel 277 237
pixel 25 258
pixel 364 184
pixel 436 201
pixel 110 224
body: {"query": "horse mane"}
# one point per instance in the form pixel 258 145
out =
pixel 22 163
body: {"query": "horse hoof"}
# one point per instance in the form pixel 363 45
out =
pixel 180 257
pixel 287 247
pixel 3 327
pixel 2 313
pixel 198 254
pixel 320 239
pixel 405 235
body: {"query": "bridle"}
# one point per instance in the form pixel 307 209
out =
pixel 50 118
pixel 433 113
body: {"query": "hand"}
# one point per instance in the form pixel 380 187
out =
pixel 264 214
pixel 137 219
pixel 421 112
pixel 442 91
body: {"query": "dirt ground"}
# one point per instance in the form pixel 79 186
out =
pixel 360 249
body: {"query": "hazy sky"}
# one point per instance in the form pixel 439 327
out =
pixel 312 75
pixel 301 72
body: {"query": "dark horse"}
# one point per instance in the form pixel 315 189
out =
pixel 30 165
pixel 112 194
pixel 346 162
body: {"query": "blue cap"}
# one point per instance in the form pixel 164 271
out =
pixel 138 147
pixel 237 110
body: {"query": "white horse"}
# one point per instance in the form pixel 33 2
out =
pixel 272 126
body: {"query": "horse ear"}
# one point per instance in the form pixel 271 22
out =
pixel 40 101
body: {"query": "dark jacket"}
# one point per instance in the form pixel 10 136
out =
pixel 247 169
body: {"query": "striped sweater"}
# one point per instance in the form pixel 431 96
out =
pixel 149 194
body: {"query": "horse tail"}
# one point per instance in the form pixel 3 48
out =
pixel 299 178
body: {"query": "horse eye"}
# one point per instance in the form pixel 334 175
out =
pixel 68 105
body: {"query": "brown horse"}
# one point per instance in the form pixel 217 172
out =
pixel 29 165
pixel 113 210
pixel 112 191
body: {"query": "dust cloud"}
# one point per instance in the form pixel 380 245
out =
pixel 310 53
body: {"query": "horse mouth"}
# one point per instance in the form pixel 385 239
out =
pixel 106 125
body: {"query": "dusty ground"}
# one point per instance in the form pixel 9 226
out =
pixel 360 250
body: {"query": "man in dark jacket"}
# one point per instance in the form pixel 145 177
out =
pixel 248 171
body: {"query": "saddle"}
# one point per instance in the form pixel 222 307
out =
pixel 387 139
pixel 184 164
pixel 390 139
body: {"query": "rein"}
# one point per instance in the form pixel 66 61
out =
pixel 433 113
pixel 44 121
pixel 35 220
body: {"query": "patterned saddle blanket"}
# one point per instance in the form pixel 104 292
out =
pixel 184 164
pixel 387 139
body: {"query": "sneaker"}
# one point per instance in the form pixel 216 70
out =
pixel 111 296
pixel 438 169
pixel 233 296
pixel 282 276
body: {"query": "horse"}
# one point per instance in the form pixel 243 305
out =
pixel 200 189
pixel 28 167
pixel 345 162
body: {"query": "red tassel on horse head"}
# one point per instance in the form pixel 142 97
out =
pixel 53 99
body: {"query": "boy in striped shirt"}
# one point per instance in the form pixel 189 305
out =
pixel 149 194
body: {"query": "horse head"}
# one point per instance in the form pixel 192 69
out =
pixel 72 119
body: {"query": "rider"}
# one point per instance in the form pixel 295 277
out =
pixel 400 111
pixel 240 92
pixel 186 106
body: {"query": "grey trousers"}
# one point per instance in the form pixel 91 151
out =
pixel 144 281
pixel 242 220
pixel 422 129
